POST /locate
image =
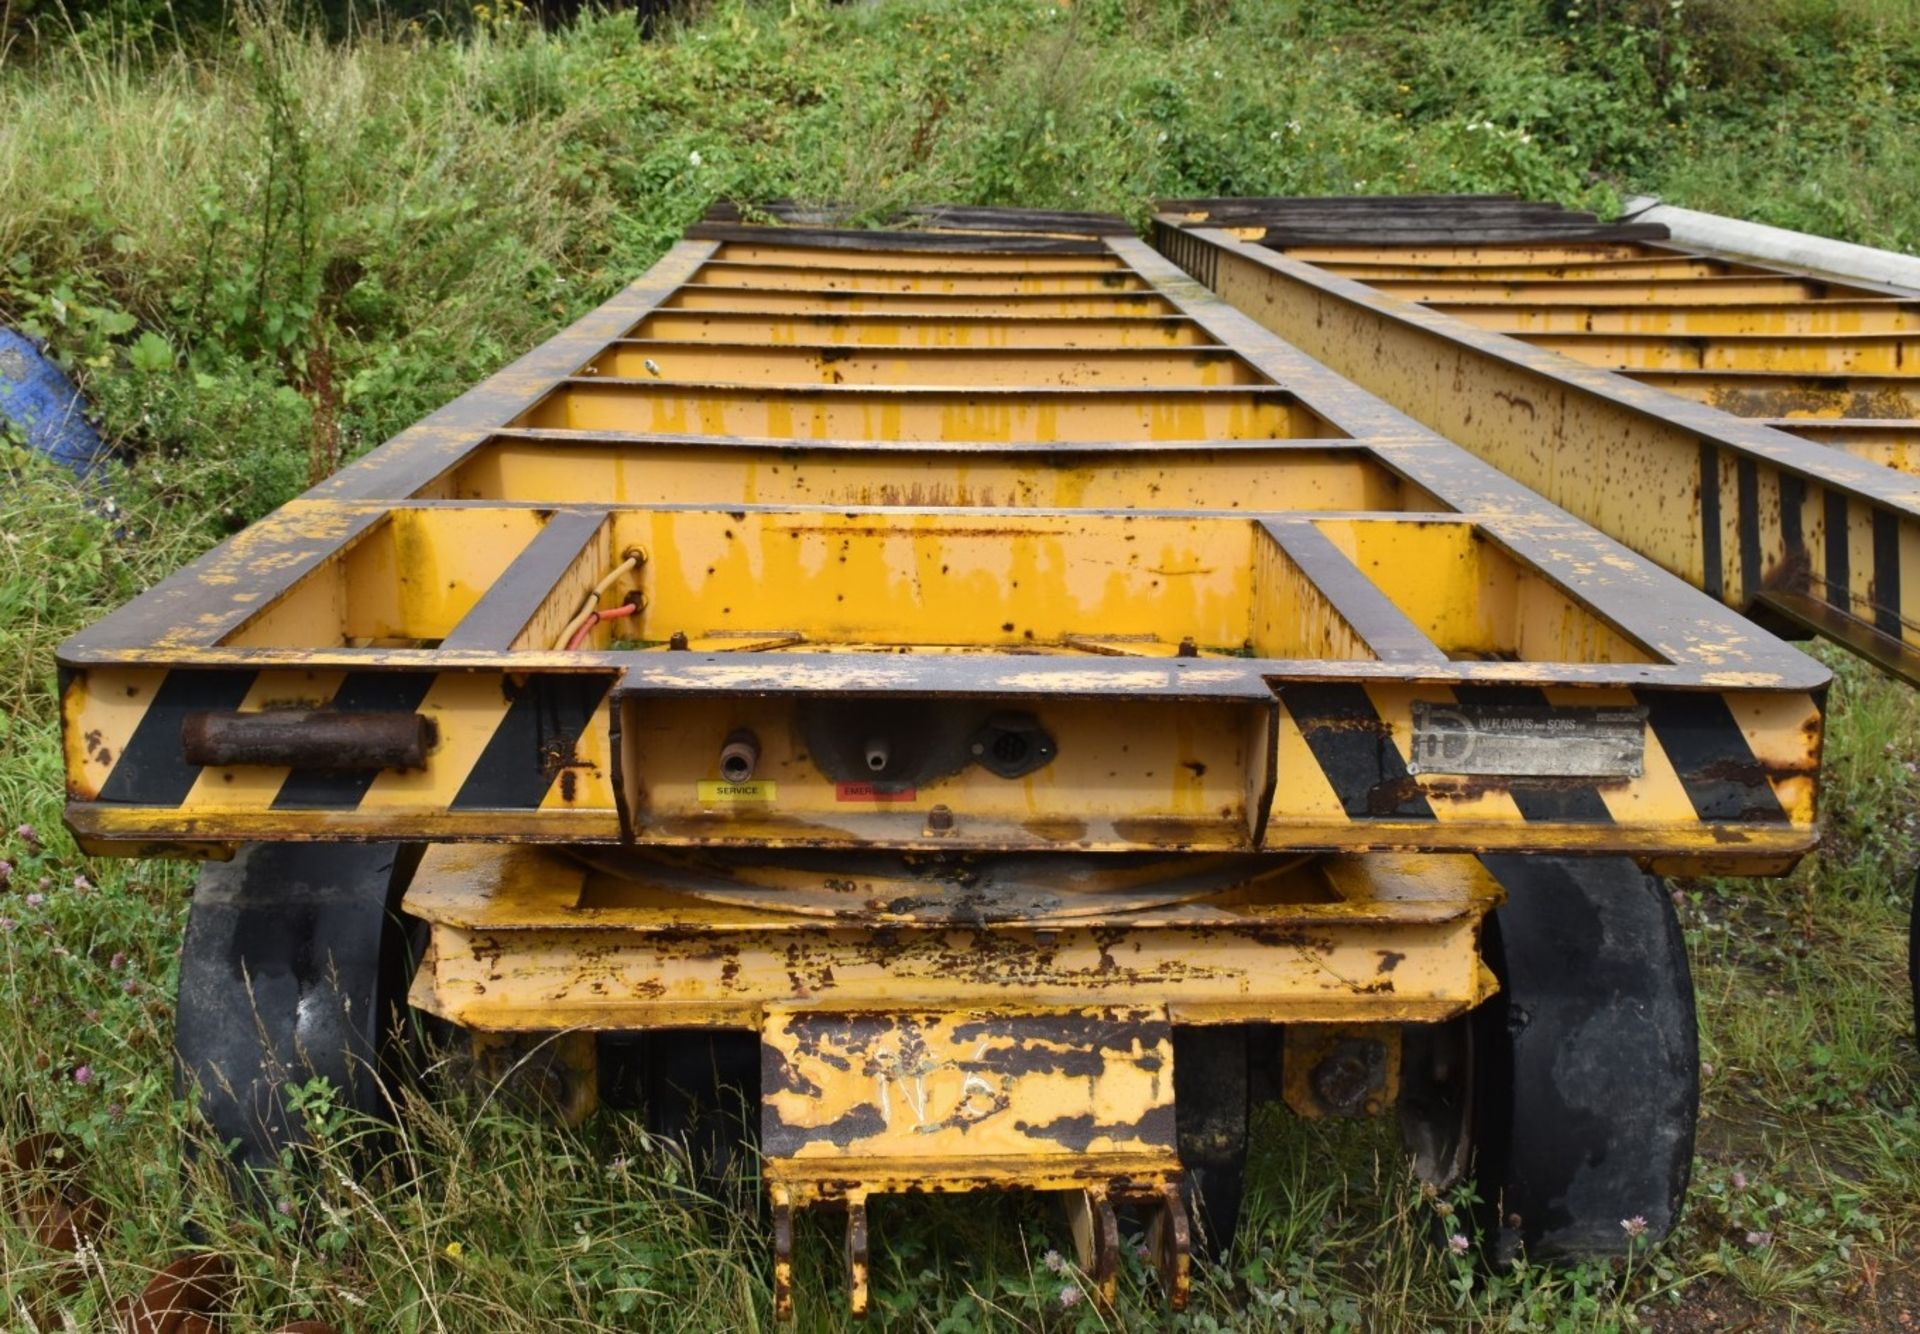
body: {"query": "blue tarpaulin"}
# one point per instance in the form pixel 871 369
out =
pixel 39 402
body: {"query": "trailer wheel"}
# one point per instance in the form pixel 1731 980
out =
pixel 295 966
pixel 1571 1096
pixel 1913 955
pixel 702 1094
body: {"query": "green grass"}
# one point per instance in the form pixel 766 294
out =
pixel 263 253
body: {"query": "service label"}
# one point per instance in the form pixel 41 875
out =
pixel 761 790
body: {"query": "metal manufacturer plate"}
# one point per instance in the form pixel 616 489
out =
pixel 1528 741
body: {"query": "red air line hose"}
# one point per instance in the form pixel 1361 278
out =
pixel 594 618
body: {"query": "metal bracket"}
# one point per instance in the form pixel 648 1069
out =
pixel 1096 1238
pixel 1171 1243
pixel 857 1254
pixel 782 1255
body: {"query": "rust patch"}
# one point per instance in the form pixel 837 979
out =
pixel 780 1139
pixel 1518 401
pixel 1372 726
pixel 777 1072
pixel 1057 829
pixel 1079 1132
pixel 1387 798
pixel 1814 397
pixel 556 753
pixel 1167 832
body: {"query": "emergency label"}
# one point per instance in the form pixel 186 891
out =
pixel 873 792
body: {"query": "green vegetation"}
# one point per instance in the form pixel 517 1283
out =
pixel 263 253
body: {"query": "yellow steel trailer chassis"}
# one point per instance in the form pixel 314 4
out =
pixel 1029 699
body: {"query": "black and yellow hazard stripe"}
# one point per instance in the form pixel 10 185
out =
pixel 1344 752
pixel 503 745
pixel 538 747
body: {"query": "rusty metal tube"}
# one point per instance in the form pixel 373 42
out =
pixel 335 742
pixel 739 755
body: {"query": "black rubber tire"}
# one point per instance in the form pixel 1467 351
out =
pixel 701 1092
pixel 1576 1089
pixel 295 965
pixel 1913 955
pixel 1213 1087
